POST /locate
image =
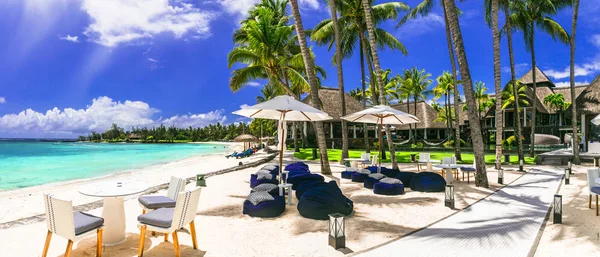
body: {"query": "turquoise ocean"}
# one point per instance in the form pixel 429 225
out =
pixel 31 163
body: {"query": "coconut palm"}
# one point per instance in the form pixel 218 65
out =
pixel 491 17
pixel 572 76
pixel 353 27
pixel 465 74
pixel 526 16
pixel 269 91
pixel 445 87
pixel 509 98
pixel 481 97
pixel 312 81
pixel 416 82
pixel 370 25
pixel 557 101
pixel 390 84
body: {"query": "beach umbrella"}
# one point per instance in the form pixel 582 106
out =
pixel 283 108
pixel 596 120
pixel 381 114
pixel 245 138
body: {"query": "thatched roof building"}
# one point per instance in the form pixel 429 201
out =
pixel 588 101
pixel 425 113
pixel 330 98
pixel 541 78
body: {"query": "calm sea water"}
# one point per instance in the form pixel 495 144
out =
pixel 24 164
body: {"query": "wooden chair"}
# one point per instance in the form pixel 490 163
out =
pixel 169 220
pixel 366 158
pixel 423 158
pixel 449 160
pixel 593 187
pixel 153 202
pixel 74 226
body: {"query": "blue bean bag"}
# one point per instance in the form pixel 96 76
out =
pixel 296 166
pixel 381 188
pixel 308 185
pixel 372 179
pixel 255 182
pixel 266 209
pixel 318 202
pixel 359 177
pixel 293 173
pixel 373 169
pixel 405 177
pixel 298 179
pixel 271 167
pixel 389 172
pixel 427 182
pixel 272 189
pixel 347 174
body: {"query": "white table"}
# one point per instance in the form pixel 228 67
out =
pixel 285 172
pixel 287 187
pixel 448 169
pixel 113 210
pixel 355 161
pixel 429 163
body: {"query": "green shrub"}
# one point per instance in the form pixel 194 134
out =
pixel 417 145
pixel 450 143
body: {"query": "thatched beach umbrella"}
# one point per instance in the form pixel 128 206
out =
pixel 245 138
pixel 381 114
pixel 283 108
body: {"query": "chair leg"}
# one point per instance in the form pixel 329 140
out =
pixel 142 238
pixel 176 243
pixel 463 176
pixel 143 211
pixel 166 237
pixel 193 232
pixel 590 202
pixel 47 244
pixel 99 243
pixel 596 205
pixel 69 248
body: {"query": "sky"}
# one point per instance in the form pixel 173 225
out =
pixel 69 67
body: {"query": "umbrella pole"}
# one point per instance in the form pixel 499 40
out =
pixel 282 143
pixel 380 144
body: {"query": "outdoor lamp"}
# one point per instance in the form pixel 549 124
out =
pixel 521 165
pixel 500 176
pixel 337 235
pixel 570 167
pixel 200 180
pixel 557 209
pixel 567 176
pixel 449 201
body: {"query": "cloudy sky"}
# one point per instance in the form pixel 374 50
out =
pixel 68 67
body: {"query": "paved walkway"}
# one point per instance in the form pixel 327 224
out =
pixel 504 224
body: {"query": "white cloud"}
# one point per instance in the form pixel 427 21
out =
pixel 568 83
pixel 97 117
pixel 595 40
pixel 520 68
pixel 422 25
pixel 241 7
pixel 154 64
pixel 253 84
pixel 121 21
pixel 74 39
pixel 582 70
pixel 2 100
pixel 244 106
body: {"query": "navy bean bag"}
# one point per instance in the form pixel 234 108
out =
pixel 271 167
pixel 298 179
pixel 347 174
pixel 254 181
pixel 389 172
pixel 308 185
pixel 373 169
pixel 405 177
pixel 317 203
pixel 428 182
pixel 381 188
pixel 359 177
pixel 296 166
pixel 293 173
pixel 272 189
pixel 268 209
pixel 372 179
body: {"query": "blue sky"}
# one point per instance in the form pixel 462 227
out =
pixel 68 67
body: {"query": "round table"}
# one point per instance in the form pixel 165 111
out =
pixel 113 210
pixel 355 161
pixel 429 163
pixel 448 169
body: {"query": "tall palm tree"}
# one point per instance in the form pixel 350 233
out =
pixel 491 17
pixel 465 74
pixel 269 91
pixel 340 75
pixel 481 97
pixel 572 76
pixel 372 43
pixel 422 9
pixel 390 84
pixel 416 82
pixel 445 87
pixel 557 101
pixel 509 98
pixel 353 28
pixel 312 81
pixel 526 15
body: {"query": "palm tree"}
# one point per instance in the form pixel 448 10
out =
pixel 572 76
pixel 312 81
pixel 526 15
pixel 340 75
pixel 445 87
pixel 269 91
pixel 509 98
pixel 465 74
pixel 356 94
pixel 416 82
pixel 481 96
pixel 493 6
pixel 390 84
pixel 557 101
pixel 370 25
pixel 353 30
pixel 423 9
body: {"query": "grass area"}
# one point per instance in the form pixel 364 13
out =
pixel 404 157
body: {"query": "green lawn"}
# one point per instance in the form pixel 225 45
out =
pixel 404 157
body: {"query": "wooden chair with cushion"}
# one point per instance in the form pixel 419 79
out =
pixel 74 226
pixel 593 187
pixel 169 220
pixel 153 202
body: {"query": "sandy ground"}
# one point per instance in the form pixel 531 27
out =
pixel 579 234
pixel 224 231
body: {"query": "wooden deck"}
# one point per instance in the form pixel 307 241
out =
pixel 506 223
pixel 563 156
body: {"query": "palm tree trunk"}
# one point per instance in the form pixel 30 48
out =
pixel 497 83
pixel 513 80
pixel 415 138
pixel 340 75
pixel 364 98
pixel 465 74
pixel 312 81
pixel 295 135
pixel 572 75
pixel 371 32
pixel 456 95
pixel 534 103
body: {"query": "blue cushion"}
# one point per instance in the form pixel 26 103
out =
pixel 272 189
pixel 381 188
pixel 156 201
pixel 405 177
pixel 307 185
pixel 467 169
pixel 268 209
pixel 158 218
pixel 359 177
pixel 595 190
pixel 255 182
pixel 297 166
pixel 389 172
pixel 369 182
pixel 293 173
pixel 85 222
pixel 296 180
pixel 318 202
pixel 428 182
pixel 347 174
pixel 373 169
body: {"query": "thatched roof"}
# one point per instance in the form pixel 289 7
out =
pixel 330 97
pixel 245 138
pixel 588 101
pixel 425 113
pixel 539 75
